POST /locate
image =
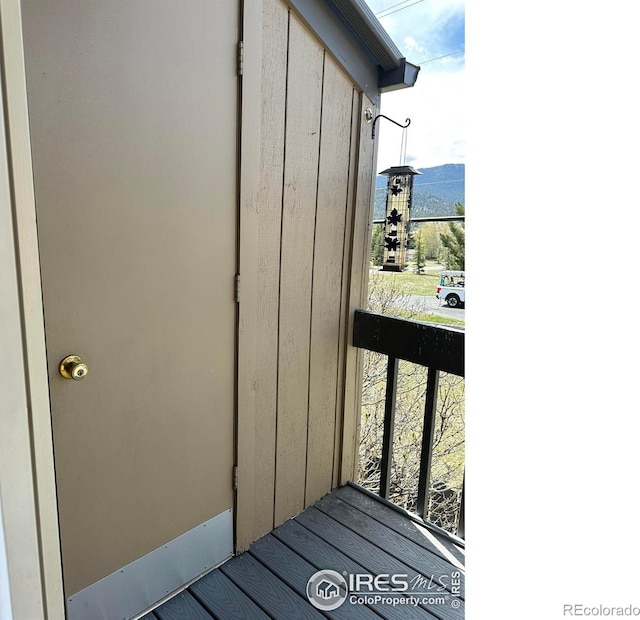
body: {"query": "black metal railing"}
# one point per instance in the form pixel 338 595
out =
pixel 434 347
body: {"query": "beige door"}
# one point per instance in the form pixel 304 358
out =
pixel 133 115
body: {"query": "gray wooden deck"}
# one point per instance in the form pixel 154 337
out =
pixel 347 531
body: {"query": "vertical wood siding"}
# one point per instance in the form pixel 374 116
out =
pixel 302 137
pixel 274 85
pixel 328 263
pixel 358 259
pixel 311 218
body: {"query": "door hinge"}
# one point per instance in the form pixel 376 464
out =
pixel 237 288
pixel 240 57
pixel 235 477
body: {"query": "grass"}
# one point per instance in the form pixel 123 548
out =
pixel 429 317
pixel 410 283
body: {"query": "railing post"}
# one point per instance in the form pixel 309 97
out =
pixel 427 441
pixel 389 419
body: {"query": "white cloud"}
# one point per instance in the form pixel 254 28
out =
pixel 413 49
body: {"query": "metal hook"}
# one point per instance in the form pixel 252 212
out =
pixel 373 129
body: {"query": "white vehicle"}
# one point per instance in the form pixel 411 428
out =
pixel 451 288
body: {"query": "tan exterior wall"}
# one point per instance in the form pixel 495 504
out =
pixel 304 230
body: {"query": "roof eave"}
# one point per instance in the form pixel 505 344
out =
pixel 404 76
pixel 394 70
pixel 357 40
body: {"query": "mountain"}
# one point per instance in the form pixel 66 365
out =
pixel 435 191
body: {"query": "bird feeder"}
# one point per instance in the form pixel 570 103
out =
pixel 398 215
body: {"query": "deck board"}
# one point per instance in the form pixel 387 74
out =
pixel 182 607
pixel 278 599
pixel 223 599
pixel 373 559
pixel 429 539
pixel 405 550
pixel 295 572
pixel 324 556
pixel 346 532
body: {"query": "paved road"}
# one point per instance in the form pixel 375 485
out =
pixel 433 304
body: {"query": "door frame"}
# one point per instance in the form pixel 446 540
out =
pixel 249 115
pixel 31 534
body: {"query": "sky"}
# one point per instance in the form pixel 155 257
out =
pixel 425 30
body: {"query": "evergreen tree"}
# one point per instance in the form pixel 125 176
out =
pixel 432 244
pixel 453 243
pixel 419 250
pixel 377 245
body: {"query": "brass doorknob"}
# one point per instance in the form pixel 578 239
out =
pixel 73 367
